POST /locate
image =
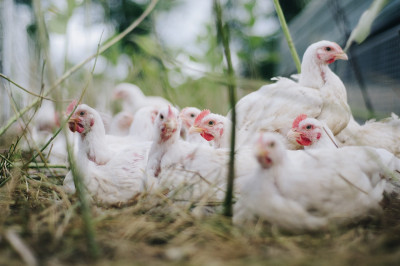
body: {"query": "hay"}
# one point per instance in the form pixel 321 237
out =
pixel 154 230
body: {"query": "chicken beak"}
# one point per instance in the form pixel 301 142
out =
pixel 261 152
pixel 171 123
pixel 74 119
pixel 195 129
pixel 263 158
pixel 342 55
pixel 72 123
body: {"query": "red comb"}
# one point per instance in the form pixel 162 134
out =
pixel 298 119
pixel 201 116
pixel 71 106
pixel 170 113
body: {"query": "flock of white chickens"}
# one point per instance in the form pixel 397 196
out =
pixel 302 161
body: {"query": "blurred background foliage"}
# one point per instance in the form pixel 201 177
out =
pixel 145 57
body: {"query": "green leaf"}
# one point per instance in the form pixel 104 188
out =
pixel 363 28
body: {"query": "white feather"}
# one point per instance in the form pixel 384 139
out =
pixel 309 189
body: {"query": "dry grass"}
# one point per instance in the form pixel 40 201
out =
pixel 153 230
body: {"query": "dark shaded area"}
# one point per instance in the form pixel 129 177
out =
pixel 291 8
pixel 121 13
pixel 258 54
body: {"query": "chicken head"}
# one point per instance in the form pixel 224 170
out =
pixel 210 126
pixel 269 149
pixel 328 52
pixel 82 120
pixel 188 116
pixel 167 123
pixel 305 131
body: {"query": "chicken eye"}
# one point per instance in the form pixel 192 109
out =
pixel 328 48
pixel 272 144
pixel 308 127
pixel 82 113
pixel 211 123
pixel 192 115
pixel 161 117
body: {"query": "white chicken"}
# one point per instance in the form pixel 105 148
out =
pixel 56 152
pixel 121 123
pixel 199 171
pixel 46 122
pixel 40 130
pixel 111 173
pixel 319 94
pixel 311 133
pixel 188 116
pixel 115 182
pixel 261 196
pixel 213 127
pixel 106 140
pixel 314 134
pixel 93 139
pixel 307 190
pixel 46 118
pixel 142 127
pixel 381 134
pixel 133 98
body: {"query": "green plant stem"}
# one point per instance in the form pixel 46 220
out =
pixel 22 88
pixel 85 206
pixel 73 69
pixel 288 37
pixel 224 34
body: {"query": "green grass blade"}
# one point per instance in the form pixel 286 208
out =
pixel 288 37
pixel 223 32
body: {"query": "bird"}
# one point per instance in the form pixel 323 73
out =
pixel 380 134
pixel 115 182
pixel 93 139
pixel 112 173
pixel 39 131
pixel 308 190
pixel 213 127
pixel 188 116
pixel 121 123
pixel 311 133
pixel 46 118
pixel 56 152
pixel 319 93
pixel 261 197
pixel 200 169
pixel 314 134
pixel 133 98
pixel 143 123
